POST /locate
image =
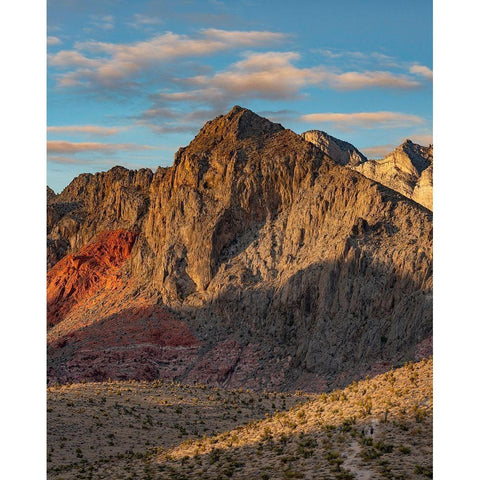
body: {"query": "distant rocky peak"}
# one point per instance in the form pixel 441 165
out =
pixel 421 157
pixel 341 152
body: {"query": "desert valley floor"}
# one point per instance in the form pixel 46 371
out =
pixel 375 428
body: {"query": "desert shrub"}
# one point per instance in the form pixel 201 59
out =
pixel 289 473
pixel 267 434
pixel 366 406
pixel 383 447
pixel 370 454
pixel 344 475
pixel 404 450
pixel 214 456
pixel 426 471
pixel 306 447
pixel 419 413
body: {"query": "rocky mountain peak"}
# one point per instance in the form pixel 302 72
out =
pixel 236 125
pixel 341 152
pixel 419 156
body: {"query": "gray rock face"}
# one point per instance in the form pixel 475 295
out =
pixel 255 236
pixel 341 152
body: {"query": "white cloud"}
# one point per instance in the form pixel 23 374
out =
pixel 273 75
pixel 140 20
pixel 378 151
pixel 360 80
pixel 421 70
pixel 424 139
pixel 105 22
pixel 116 63
pixel 53 40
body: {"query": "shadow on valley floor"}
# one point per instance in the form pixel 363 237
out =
pixel 142 343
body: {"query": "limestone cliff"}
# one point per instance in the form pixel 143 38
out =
pixel 291 271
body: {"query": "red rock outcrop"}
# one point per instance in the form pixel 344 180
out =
pixel 77 277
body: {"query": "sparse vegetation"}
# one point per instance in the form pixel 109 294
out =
pixel 231 434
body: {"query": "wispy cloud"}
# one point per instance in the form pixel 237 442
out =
pixel 51 40
pixel 371 60
pixel 105 22
pixel 421 70
pixel 378 151
pixel 381 151
pixel 424 139
pixel 361 80
pixel 346 121
pixel 352 57
pixel 267 76
pixel 110 64
pixel 140 21
pixel 66 160
pixel 279 115
pixel 86 129
pixel 59 146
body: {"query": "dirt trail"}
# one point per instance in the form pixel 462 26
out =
pixel 352 463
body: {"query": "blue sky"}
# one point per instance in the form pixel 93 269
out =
pixel 130 82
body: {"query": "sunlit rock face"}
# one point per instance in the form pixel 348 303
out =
pixel 341 152
pixel 408 170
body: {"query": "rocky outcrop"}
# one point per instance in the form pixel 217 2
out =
pixel 423 191
pixel 50 194
pixel 77 277
pixel 91 204
pixel 408 170
pixel 341 152
pixel 268 249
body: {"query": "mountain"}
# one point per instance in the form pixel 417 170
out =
pixel 407 170
pixel 257 261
